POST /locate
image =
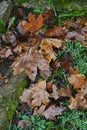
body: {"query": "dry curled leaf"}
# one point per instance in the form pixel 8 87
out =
pixel 53 111
pixel 77 80
pixel 29 63
pixel 46 48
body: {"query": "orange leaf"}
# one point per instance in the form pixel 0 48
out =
pixel 34 23
pixel 77 80
pixel 80 100
pixel 73 71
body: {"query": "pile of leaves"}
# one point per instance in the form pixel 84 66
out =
pixel 54 58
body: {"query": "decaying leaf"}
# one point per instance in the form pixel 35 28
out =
pixel 80 100
pixel 46 48
pixel 53 111
pixel 29 63
pixel 77 80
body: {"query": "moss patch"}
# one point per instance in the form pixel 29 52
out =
pixel 21 87
pixel 13 103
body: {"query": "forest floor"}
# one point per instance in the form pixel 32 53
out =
pixel 53 53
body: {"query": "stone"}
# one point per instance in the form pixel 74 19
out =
pixel 5 9
pixel 9 98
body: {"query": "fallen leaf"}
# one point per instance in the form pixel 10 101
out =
pixel 64 92
pixel 54 93
pixel 49 86
pixel 84 31
pixel 34 23
pixel 39 110
pixel 20 28
pixel 81 20
pixel 73 71
pixel 26 96
pixel 46 48
pixel 59 32
pixel 80 100
pixel 29 63
pixel 77 80
pixel 39 94
pixel 53 111
pixel 5 53
pixel 75 35
pixel 24 123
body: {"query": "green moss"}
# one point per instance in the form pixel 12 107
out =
pixel 21 87
pixel 13 103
